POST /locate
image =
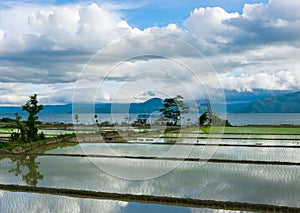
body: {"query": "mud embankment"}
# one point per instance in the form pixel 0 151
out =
pixel 226 161
pixel 28 147
pixel 175 201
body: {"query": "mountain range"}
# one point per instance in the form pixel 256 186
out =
pixel 288 103
pixel 283 103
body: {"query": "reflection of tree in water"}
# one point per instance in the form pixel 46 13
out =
pixel 28 168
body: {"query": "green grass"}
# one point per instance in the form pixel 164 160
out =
pixel 275 130
pixel 6 131
pixel 263 130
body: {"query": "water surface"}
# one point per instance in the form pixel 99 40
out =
pixel 260 184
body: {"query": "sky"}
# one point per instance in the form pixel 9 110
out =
pixel 130 51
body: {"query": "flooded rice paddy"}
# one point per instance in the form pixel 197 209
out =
pixel 107 167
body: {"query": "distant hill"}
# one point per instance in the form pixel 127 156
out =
pixel 48 109
pixel 152 105
pixel 284 103
pixel 288 103
pixel 233 96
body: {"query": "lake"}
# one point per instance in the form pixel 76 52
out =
pixel 237 119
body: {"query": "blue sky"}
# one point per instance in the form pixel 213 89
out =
pixel 45 46
pixel 159 13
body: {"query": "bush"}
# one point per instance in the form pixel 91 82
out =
pixel 211 119
pixel 15 136
pixel 7 120
pixel 105 124
pixel 42 136
pixel 172 129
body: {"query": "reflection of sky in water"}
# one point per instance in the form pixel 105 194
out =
pixel 266 184
pixel 30 202
pixel 221 152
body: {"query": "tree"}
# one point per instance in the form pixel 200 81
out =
pixel 173 108
pixel 76 117
pixel 96 119
pixel 22 128
pixel 203 120
pixel 209 119
pixel 32 107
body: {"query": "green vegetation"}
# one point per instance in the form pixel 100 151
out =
pixel 275 130
pixel 22 128
pixel 27 131
pixel 211 119
pixel 32 107
pixel 173 108
pixel 19 146
pixel 263 130
pixel 25 134
pixel 6 120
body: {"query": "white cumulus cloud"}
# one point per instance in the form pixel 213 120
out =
pixel 47 45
